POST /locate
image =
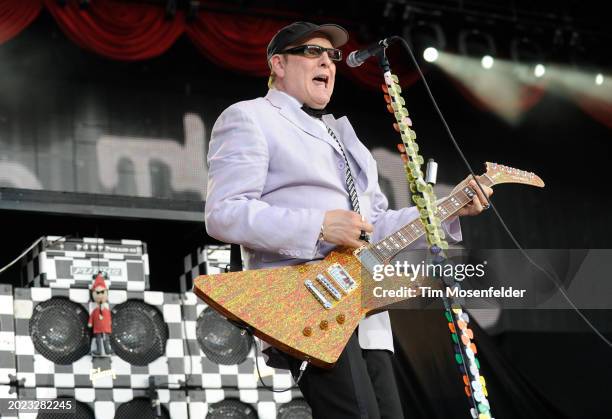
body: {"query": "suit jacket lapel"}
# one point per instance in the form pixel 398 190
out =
pixel 292 112
pixel 348 137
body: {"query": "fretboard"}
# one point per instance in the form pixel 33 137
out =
pixel 390 246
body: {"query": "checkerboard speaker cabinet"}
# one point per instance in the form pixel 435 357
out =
pixel 206 260
pixel 7 335
pixel 60 262
pixel 52 340
pixel 247 404
pixel 98 403
pixel 219 354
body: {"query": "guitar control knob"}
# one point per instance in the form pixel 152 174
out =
pixel 340 318
pixel 307 331
pixel 324 324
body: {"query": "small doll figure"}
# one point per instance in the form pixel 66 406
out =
pixel 100 318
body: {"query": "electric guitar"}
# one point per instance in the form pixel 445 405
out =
pixel 311 310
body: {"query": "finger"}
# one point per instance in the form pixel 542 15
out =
pixel 481 197
pixel 367 227
pixel 476 206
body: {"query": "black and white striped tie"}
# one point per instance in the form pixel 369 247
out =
pixel 350 184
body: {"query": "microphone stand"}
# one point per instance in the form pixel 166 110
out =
pixel 423 196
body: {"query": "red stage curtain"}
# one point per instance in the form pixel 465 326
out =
pixel 117 30
pixel 234 42
pixel 15 15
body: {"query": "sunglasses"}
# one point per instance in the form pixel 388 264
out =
pixel 314 51
pixel 100 292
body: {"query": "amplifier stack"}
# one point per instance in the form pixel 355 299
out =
pixel 170 356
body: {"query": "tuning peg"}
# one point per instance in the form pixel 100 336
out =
pixel 387 99
pixel 390 109
pixel 384 88
pixel 401 148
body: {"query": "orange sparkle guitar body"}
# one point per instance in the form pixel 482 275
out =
pixel 284 312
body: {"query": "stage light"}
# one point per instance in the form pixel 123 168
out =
pixel 487 62
pixel 475 43
pixel 529 58
pixel 599 79
pixel 425 38
pixel 430 54
pixel 539 70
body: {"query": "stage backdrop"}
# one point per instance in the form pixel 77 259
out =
pixel 73 121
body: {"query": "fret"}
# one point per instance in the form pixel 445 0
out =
pixel 409 232
pixel 377 254
pixel 393 242
pixel 380 248
pixel 387 246
pixel 401 236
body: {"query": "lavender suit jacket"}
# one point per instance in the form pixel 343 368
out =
pixel 273 173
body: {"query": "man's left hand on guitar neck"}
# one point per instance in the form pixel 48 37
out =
pixel 479 203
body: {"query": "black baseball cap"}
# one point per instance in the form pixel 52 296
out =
pixel 298 31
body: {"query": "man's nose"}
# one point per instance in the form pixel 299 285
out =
pixel 325 60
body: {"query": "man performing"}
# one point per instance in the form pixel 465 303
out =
pixel 289 183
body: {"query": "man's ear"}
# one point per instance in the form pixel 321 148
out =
pixel 277 64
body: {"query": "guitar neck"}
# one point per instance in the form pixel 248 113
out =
pixel 394 243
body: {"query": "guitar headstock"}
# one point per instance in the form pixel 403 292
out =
pixel 498 173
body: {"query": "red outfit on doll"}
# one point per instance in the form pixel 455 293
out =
pixel 100 318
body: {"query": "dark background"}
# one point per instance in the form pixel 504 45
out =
pixel 54 97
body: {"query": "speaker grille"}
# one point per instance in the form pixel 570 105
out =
pixel 295 409
pixel 230 408
pixel 139 408
pixel 221 341
pixel 139 332
pixel 82 411
pixel 58 328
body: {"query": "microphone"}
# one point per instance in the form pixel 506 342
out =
pixel 356 58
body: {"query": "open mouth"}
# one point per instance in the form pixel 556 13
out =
pixel 321 80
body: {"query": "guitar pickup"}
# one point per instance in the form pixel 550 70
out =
pixel 317 294
pixel 329 287
pixel 342 278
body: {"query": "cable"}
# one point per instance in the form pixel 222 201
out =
pixel 30 248
pixel 264 385
pixel 551 277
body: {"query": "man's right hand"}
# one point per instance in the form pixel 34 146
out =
pixel 344 227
